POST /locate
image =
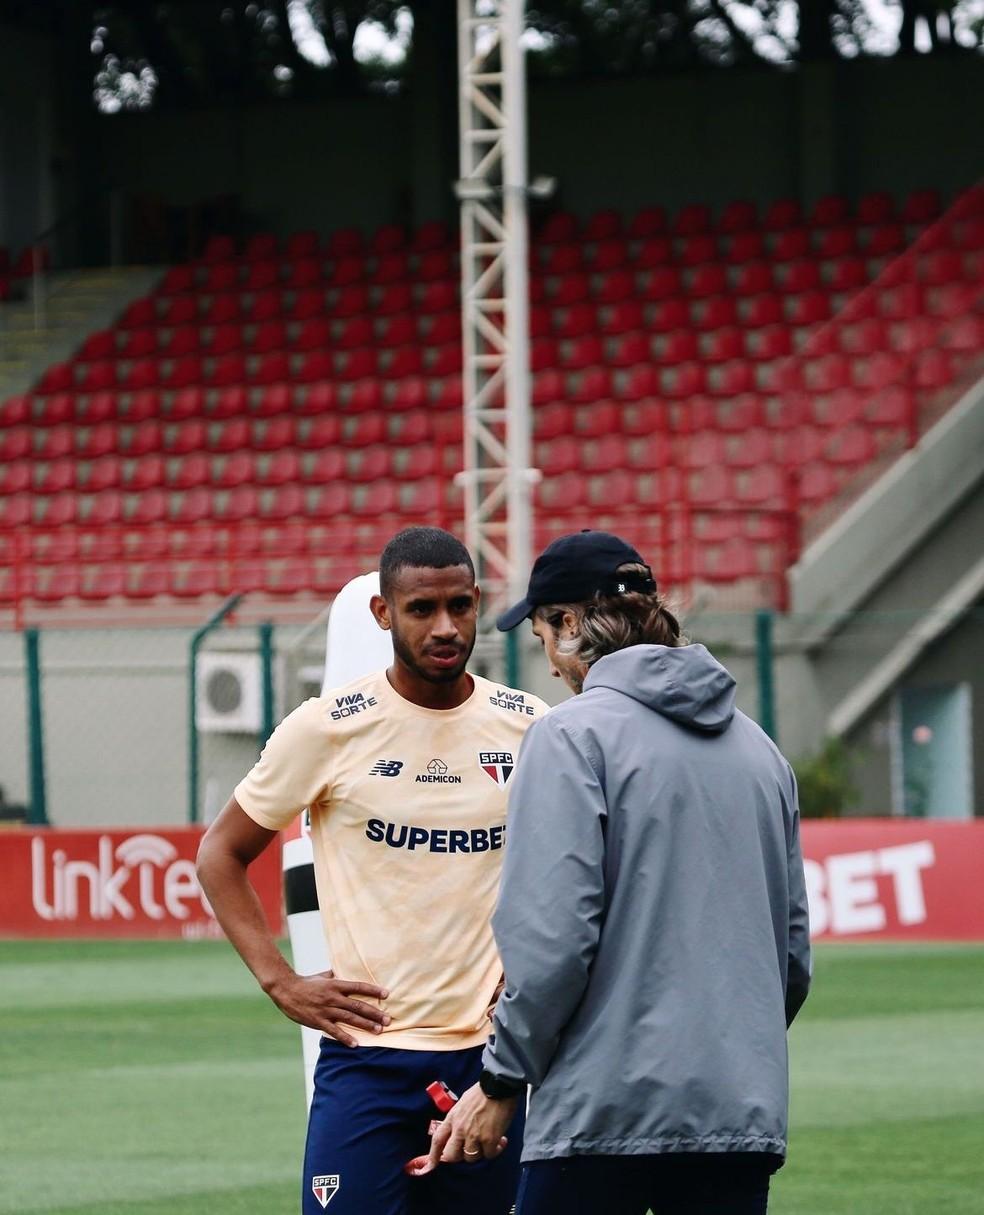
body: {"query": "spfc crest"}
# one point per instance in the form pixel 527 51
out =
pixel 325 1188
pixel 497 764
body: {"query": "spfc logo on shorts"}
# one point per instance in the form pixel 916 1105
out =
pixel 497 764
pixel 325 1188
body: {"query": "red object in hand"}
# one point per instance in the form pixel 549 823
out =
pixel 445 1100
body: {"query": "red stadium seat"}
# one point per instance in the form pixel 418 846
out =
pixel 708 280
pixel 15 479
pixel 738 216
pixel 262 275
pixel 700 251
pixel 349 301
pixel 848 274
pixel 921 207
pixel 54 443
pixel 183 372
pixel 389 238
pixel 54 477
pixel 178 280
pixel 770 343
pixel 434 234
pixel 325 468
pixel 184 339
pixel 96 441
pixel 560 456
pixel 790 245
pixel 138 343
pixel 56 410
pixel 885 240
pixel 745 247
pixel 615 286
pixel 654 253
pixel 366 396
pixel 609 255
pixel 684 380
pixel 15 411
pixel 140 314
pixel 229 369
pixel 677 347
pixel 760 311
pixel 265 306
pixel 629 350
pixel 830 210
pixel 395 331
pixel 438 297
pixel 593 384
pixel 268 337
pixel 649 222
pixel 301 244
pixel 345 242
pixel 225 339
pixel 393 268
pixel 717 312
pixel 183 310
pixel 59 377
pixel 669 315
pixel 781 214
pixel 192 471
pixel 146 438
pixel 322 432
pixel 100 345
pixel 397 297
pixel 638 384
pixel 146 473
pixel 574 322
pixel 723 346
pixel 808 308
pixel 623 318
pixel 237 469
pixel 833 243
pixel 662 284
pixel 315 366
pixel 692 220
pixel 222 277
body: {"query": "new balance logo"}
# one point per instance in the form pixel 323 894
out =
pixel 387 767
pixel 515 702
pixel 348 706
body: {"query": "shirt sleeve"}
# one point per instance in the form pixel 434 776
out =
pixel 551 899
pixel 292 771
pixel 799 966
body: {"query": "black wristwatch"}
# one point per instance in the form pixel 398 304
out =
pixel 498 1089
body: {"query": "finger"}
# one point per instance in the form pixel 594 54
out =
pixel 453 1152
pixel 419 1166
pixel 348 987
pixel 472 1153
pixel 333 1031
pixel 341 1017
pixel 357 1008
pixel 440 1137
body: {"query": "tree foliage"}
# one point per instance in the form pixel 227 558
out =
pixel 186 51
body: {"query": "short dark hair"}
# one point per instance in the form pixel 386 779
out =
pixel 420 548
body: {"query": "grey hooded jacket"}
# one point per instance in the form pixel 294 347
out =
pixel 652 917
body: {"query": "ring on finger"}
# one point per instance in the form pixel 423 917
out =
pixel 467 1153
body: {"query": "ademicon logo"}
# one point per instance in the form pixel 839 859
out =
pixel 141 876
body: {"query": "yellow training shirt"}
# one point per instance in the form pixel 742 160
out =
pixel 408 825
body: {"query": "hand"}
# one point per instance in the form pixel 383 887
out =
pixel 472 1131
pixel 323 1002
pixel 500 987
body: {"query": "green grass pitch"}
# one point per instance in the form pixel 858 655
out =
pixel 154 1079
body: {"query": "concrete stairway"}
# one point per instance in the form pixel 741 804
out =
pixel 77 303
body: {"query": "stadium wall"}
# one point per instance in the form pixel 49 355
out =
pixel 850 127
pixel 28 150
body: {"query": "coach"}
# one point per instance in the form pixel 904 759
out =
pixel 652 918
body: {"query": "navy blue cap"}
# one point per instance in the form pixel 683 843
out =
pixel 574 568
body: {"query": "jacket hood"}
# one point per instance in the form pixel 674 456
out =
pixel 684 683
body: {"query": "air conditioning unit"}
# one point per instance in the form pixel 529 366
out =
pixel 228 693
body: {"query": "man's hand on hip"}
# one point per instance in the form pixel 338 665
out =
pixel 323 1002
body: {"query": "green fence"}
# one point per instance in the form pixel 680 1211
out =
pixel 880 712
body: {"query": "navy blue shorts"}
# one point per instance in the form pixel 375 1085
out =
pixel 370 1115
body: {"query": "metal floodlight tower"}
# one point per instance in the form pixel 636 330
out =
pixel 497 480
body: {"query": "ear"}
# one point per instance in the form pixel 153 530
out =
pixel 478 596
pixel 380 610
pixel 568 626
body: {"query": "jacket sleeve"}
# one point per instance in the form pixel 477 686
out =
pixel 799 967
pixel 551 899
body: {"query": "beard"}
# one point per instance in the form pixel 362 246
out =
pixel 409 660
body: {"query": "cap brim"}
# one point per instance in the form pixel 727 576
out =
pixel 515 615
